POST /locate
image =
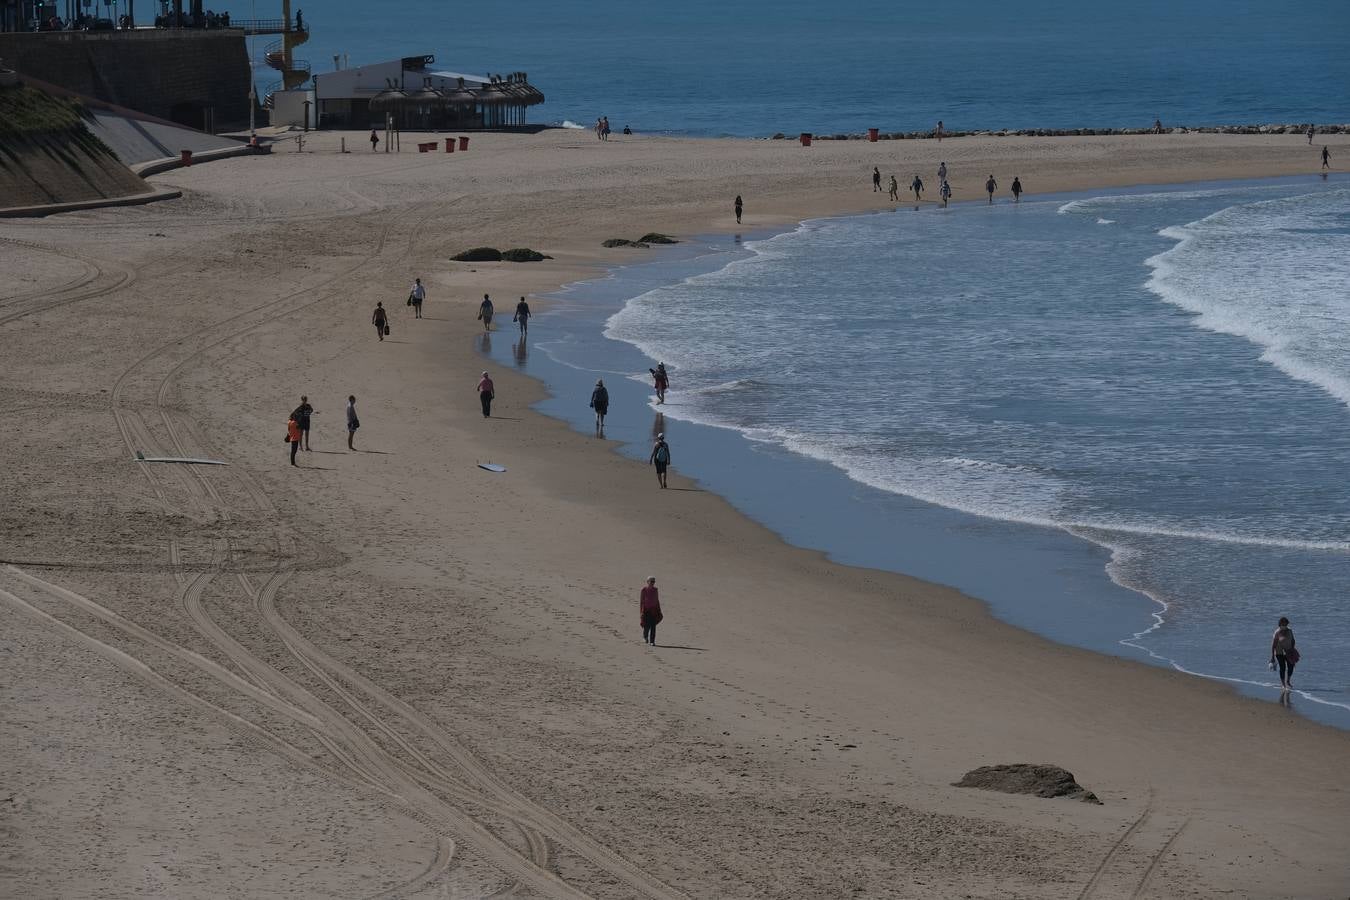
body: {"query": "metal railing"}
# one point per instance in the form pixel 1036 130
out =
pixel 265 26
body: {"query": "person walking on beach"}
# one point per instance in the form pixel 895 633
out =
pixel 1326 158
pixel 485 312
pixel 1283 652
pixel 649 611
pixel 895 189
pixel 942 173
pixel 380 318
pixel 938 131
pixel 916 186
pixel 739 206
pixel 604 128
pixel 486 392
pixel 876 179
pixel 1017 189
pixel 353 422
pixel 1312 130
pixel 990 186
pixel 416 296
pixel 301 416
pixel 600 403
pixel 374 140
pixel 1157 126
pixel 522 316
pixel 661 381
pixel 660 457
pixel 293 437
pixel 945 192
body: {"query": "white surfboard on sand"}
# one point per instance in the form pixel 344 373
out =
pixel 141 457
pixel 492 467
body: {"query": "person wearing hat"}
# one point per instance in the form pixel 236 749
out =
pixel 660 457
pixel 485 394
pixel 649 610
pixel 600 403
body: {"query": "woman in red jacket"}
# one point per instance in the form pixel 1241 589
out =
pixel 649 607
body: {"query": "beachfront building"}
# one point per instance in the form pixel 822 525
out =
pixel 420 97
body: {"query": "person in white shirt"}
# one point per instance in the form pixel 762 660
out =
pixel 416 296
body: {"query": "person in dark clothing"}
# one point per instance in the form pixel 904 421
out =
pixel 1017 189
pixel 739 206
pixel 917 187
pixel 486 393
pixel 1282 650
pixel 660 458
pixel 661 381
pixel 600 403
pixel 522 316
pixel 374 140
pixel 1326 159
pixel 649 611
pixel 380 318
pixel 353 422
pixel 990 186
pixel 301 416
pixel 876 179
pixel 293 437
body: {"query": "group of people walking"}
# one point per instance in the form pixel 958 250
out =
pixel 944 186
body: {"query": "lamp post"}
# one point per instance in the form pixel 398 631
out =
pixel 252 105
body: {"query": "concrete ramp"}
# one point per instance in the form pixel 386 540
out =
pixel 138 140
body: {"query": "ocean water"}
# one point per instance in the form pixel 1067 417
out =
pixel 1122 420
pixel 755 68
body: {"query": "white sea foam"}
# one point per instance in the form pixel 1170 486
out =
pixel 1252 272
pixel 1106 221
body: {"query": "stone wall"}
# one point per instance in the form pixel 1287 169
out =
pixel 173 74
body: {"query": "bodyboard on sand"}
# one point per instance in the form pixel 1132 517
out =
pixel 492 467
pixel 141 457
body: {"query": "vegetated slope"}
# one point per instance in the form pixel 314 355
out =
pixel 47 155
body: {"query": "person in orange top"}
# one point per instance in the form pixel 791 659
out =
pixel 293 434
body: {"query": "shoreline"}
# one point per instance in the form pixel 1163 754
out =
pixel 1111 619
pixel 774 739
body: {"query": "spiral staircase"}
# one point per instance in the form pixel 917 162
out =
pixel 280 55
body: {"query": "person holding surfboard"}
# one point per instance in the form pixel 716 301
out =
pixel 485 394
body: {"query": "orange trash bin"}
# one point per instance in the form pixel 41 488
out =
pixel 463 143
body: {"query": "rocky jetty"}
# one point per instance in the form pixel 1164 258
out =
pixel 1299 129
pixel 492 254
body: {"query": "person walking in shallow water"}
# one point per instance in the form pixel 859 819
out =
pixel 660 458
pixel 485 312
pixel 600 403
pixel 661 381
pixel 738 206
pixel 945 192
pixel 649 611
pixel 990 186
pixel 522 317
pixel 1283 652
pixel 1017 189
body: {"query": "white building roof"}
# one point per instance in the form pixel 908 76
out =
pixel 368 80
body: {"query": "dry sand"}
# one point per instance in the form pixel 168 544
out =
pixel 391 674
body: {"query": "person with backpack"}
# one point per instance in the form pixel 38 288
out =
pixel 600 403
pixel 660 458
pixel 1283 651
pixel 649 611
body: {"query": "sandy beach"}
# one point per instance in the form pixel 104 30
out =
pixel 390 673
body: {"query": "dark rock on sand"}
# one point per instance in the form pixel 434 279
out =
pixel 656 237
pixel 479 254
pixel 624 242
pixel 523 254
pixel 1024 778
